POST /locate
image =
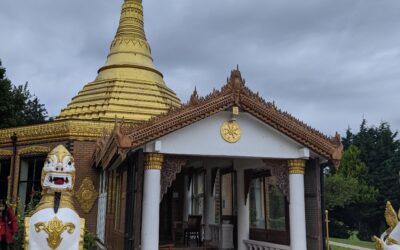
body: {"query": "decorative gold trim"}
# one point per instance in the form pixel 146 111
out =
pixel 230 131
pixel 153 161
pixel 391 216
pixel 82 234
pixel 47 201
pixel 57 130
pixel 27 222
pixel 4 152
pixel 391 241
pixel 296 166
pixel 33 150
pixel 378 243
pixel 87 195
pixel 235 110
pixel 54 229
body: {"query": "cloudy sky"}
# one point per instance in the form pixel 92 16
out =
pixel 329 63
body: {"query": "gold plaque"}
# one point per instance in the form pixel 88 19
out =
pixel 230 131
pixel 87 195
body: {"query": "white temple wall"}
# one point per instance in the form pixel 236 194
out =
pixel 204 138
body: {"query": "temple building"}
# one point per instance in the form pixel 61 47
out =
pixel 226 171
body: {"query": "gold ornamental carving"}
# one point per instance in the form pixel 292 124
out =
pixel 4 152
pixel 34 149
pixel 230 131
pixel 67 129
pixel 87 195
pixel 296 166
pixel 153 161
pixel 54 229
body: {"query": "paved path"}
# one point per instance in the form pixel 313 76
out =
pixel 348 246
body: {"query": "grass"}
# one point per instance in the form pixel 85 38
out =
pixel 353 240
pixel 338 248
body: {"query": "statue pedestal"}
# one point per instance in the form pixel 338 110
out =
pixel 61 231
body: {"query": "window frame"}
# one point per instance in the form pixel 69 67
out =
pixel 269 235
pixel 31 181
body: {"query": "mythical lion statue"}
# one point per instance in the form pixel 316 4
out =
pixel 390 239
pixel 55 225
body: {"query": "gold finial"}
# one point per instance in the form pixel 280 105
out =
pixel 390 216
pixel 378 243
pixel 130 45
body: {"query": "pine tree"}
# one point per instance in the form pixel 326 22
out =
pixel 372 156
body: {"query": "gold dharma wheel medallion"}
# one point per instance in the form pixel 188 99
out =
pixel 230 131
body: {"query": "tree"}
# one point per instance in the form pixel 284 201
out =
pixel 380 151
pixel 348 184
pixel 348 194
pixel 372 156
pixel 17 105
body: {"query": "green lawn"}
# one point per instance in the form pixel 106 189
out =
pixel 338 248
pixel 353 240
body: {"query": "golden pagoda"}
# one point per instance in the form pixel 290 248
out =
pixel 128 85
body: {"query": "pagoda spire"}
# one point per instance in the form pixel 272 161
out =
pixel 128 86
pixel 130 46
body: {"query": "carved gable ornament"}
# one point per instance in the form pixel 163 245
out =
pixel 230 131
pixel 87 195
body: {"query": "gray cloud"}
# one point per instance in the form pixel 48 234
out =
pixel 330 63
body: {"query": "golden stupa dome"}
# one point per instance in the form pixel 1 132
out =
pixel 128 86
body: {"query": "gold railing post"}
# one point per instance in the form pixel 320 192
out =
pixel 327 229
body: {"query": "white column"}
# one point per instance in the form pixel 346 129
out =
pixel 208 204
pixel 297 214
pixel 151 201
pixel 187 199
pixel 243 222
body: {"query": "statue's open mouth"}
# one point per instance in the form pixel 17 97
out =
pixel 58 180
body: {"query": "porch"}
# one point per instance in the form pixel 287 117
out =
pixel 249 170
pixel 237 199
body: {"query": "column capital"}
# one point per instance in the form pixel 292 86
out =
pixel 153 161
pixel 296 166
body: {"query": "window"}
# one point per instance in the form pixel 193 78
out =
pixel 268 211
pixel 29 178
pixel 4 173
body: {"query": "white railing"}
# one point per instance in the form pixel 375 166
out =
pixel 101 216
pixel 260 245
pixel 222 236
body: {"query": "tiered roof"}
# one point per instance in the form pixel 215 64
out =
pixel 128 86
